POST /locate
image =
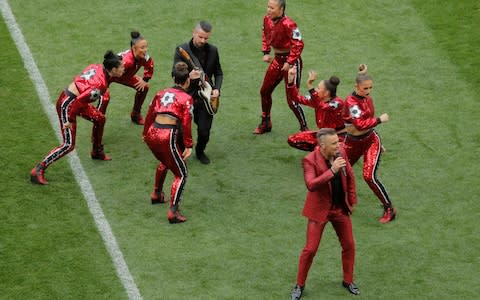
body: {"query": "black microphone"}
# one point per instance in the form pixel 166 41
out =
pixel 337 155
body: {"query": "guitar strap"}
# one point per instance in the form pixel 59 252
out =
pixel 197 63
pixel 204 92
pixel 194 58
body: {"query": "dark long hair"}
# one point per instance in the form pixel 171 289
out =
pixel 331 85
pixel 111 60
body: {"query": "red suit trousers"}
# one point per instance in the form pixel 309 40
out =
pixel 342 224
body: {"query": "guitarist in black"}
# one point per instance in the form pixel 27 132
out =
pixel 205 57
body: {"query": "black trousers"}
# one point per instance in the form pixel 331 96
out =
pixel 203 120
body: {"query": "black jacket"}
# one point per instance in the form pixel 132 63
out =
pixel 211 66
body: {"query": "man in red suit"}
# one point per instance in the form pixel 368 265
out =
pixel 331 195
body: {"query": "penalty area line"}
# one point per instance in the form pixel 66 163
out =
pixel 94 207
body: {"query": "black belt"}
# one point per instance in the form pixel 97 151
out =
pixel 165 126
pixel 359 137
pixel 70 94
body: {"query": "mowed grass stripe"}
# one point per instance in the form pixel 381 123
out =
pixel 430 142
pixel 49 246
pixel 75 164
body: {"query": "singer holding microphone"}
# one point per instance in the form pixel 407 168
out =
pixel 330 198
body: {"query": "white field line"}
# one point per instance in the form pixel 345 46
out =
pixel 101 222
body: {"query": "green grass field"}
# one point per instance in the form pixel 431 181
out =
pixel 245 231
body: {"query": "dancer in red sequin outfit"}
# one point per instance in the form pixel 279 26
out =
pixel 363 140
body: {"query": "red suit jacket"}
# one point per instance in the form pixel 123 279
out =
pixel 318 178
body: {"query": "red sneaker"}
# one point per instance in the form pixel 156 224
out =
pixel 99 154
pixel 175 217
pixel 389 214
pixel 36 175
pixel 137 118
pixel 157 197
pixel 264 126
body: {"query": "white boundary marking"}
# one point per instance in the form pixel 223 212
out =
pixel 101 221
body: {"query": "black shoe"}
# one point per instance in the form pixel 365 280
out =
pixel 203 158
pixel 297 292
pixel 351 287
